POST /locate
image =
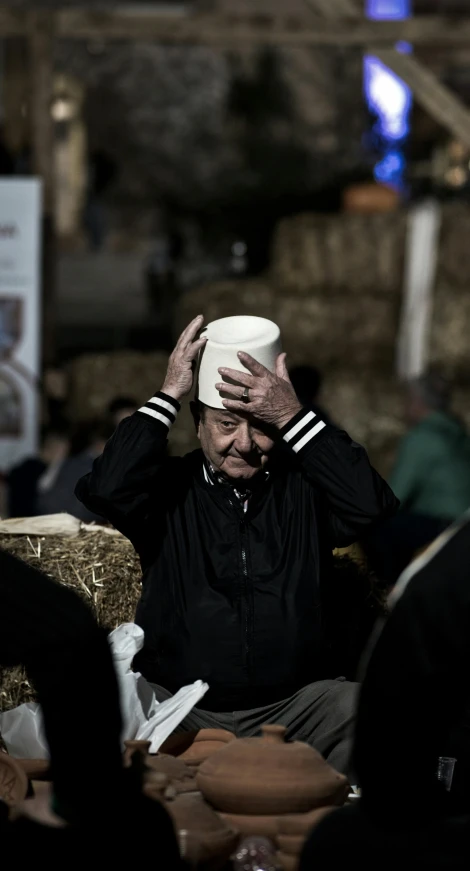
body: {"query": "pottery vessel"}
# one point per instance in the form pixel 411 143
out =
pixel 195 747
pixel 13 781
pixel 205 839
pixel 179 775
pixel 267 776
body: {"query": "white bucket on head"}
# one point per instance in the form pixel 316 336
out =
pixel 225 338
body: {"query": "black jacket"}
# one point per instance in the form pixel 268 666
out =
pixel 229 597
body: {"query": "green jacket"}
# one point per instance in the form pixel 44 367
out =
pixel 432 471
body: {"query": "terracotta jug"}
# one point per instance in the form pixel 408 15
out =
pixel 195 747
pixel 267 776
pixel 13 781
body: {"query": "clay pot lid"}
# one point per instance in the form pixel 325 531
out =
pixel 268 775
pixel 13 781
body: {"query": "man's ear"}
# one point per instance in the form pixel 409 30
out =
pixel 196 413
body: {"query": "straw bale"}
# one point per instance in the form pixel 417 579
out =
pixel 453 266
pixel 326 329
pixel 450 328
pixel 222 299
pixel 355 252
pixel 96 379
pixel 102 569
pixel 369 406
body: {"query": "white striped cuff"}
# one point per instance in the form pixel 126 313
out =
pixel 161 407
pixel 304 427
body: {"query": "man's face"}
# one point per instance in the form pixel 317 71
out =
pixel 233 444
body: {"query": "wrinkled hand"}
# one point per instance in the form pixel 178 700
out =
pixel 272 398
pixel 180 372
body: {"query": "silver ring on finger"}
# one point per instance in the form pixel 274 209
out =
pixel 246 394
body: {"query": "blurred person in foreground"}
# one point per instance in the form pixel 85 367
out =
pixel 431 477
pixel 236 539
pixel 307 382
pixel 414 707
pixel 95 808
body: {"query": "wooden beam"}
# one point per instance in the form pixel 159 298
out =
pixel 335 8
pixel 288 30
pixel 444 106
pixel 41 37
pixel 124 24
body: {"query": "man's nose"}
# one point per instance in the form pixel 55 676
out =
pixel 244 441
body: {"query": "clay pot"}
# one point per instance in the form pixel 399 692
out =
pixel 288 863
pixel 253 824
pixel 370 198
pixel 209 841
pixel 267 776
pixel 195 747
pixel 300 825
pixel 13 781
pixel 180 775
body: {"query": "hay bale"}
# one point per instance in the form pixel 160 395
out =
pixel 96 379
pixel 102 569
pixel 453 266
pixel 356 252
pixel 222 299
pixel 325 329
pixel 450 326
pixel 370 408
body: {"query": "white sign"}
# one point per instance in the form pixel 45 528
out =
pixel 20 252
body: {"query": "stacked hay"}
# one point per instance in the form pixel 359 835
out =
pixel 345 254
pixel 103 569
pixel 96 379
pixel 450 325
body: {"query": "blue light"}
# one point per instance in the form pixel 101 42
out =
pixel 388 10
pixel 387 96
pixel 390 169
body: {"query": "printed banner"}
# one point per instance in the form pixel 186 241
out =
pixel 20 257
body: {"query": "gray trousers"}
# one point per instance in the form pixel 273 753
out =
pixel 322 714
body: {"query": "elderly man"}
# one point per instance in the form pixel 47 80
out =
pixel 236 539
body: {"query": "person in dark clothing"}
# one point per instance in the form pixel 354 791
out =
pixel 56 489
pixel 48 629
pixel 413 708
pixel 236 539
pixel 24 479
pixel 307 383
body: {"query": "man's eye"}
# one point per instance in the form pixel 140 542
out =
pixel 227 424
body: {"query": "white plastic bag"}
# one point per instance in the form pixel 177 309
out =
pixel 144 718
pixel 23 732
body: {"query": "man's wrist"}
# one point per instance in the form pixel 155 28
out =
pixel 302 430
pixel 173 392
pixel 288 414
pixel 162 407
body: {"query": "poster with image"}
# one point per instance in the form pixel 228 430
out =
pixel 20 254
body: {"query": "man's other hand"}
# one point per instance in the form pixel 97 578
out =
pixel 180 372
pixel 271 397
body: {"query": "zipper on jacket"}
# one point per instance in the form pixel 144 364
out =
pixel 246 597
pixel 248 615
